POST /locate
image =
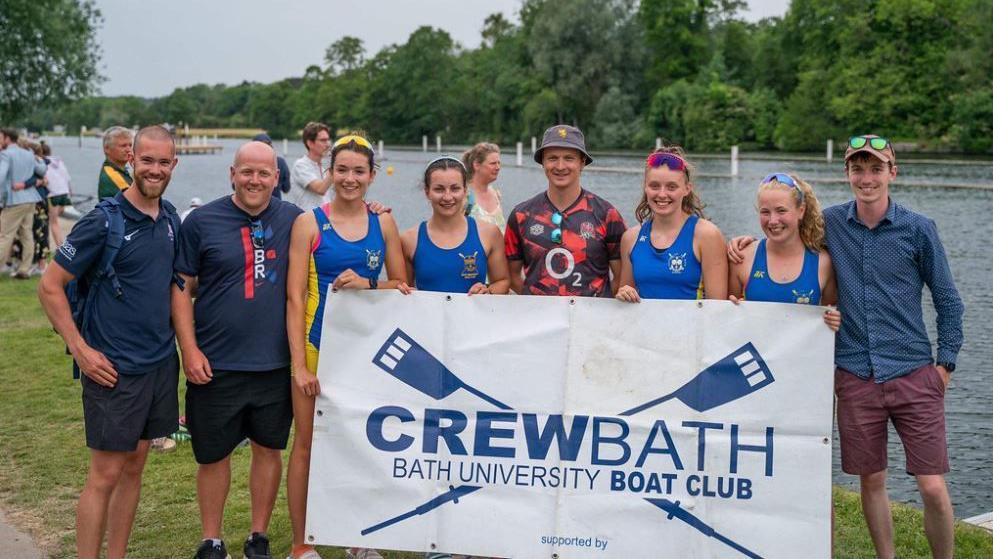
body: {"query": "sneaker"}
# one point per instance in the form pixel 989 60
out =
pixel 363 554
pixel 208 550
pixel 257 547
pixel 21 275
pixel 163 444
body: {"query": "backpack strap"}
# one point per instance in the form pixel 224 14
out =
pixel 104 269
pixel 174 223
pixel 111 209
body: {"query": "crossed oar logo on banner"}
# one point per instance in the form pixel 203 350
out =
pixel 733 377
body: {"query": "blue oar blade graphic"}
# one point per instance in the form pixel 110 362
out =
pixel 410 363
pixel 452 495
pixel 675 511
pixel 735 376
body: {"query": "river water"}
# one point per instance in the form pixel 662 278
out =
pixel 962 216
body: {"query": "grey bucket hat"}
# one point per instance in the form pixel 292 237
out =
pixel 563 136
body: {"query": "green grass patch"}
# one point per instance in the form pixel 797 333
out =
pixel 43 463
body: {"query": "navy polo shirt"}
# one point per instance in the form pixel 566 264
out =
pixel 134 331
pixel 240 262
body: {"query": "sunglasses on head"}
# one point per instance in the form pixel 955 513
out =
pixel 257 234
pixel 783 178
pixel 875 142
pixel 557 232
pixel 670 160
pixel 352 138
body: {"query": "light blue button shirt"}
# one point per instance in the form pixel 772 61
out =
pixel 17 165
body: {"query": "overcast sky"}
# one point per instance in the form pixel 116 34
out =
pixel 151 47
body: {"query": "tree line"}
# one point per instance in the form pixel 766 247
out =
pixel 691 71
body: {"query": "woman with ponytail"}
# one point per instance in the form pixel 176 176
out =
pixel 675 253
pixel 790 264
pixel 482 165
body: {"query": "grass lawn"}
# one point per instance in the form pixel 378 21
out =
pixel 43 462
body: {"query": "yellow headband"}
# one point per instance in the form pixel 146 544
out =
pixel 352 138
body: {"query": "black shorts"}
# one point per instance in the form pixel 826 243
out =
pixel 138 407
pixel 235 405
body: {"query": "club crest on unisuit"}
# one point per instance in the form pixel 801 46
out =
pixel 469 268
pixel 373 258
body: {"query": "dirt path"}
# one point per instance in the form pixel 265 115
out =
pixel 16 543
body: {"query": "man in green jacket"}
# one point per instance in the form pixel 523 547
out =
pixel 114 176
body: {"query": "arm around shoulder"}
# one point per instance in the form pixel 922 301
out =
pixel 396 269
pixel 713 259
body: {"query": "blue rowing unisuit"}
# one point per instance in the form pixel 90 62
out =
pixel 672 273
pixel 804 290
pixel 330 256
pixel 452 270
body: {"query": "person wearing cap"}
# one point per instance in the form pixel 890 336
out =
pixel 195 203
pixel 883 255
pixel 234 256
pixel 566 240
pixel 283 184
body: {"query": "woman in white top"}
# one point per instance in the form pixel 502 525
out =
pixel 59 189
pixel 482 164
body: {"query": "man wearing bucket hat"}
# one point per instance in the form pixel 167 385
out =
pixel 566 240
pixel 883 255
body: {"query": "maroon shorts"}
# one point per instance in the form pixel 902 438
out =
pixel 914 402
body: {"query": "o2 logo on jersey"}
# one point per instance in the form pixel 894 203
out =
pixel 568 271
pixel 803 297
pixel 373 258
pixel 469 268
pixel 677 263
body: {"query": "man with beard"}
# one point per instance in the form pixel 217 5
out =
pixel 125 348
pixel 233 256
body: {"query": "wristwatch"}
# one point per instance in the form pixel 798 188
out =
pixel 374 284
pixel 950 367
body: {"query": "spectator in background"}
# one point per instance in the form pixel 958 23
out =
pixel 39 226
pixel 59 189
pixel 195 203
pixel 17 165
pixel 309 184
pixel 114 176
pixel 482 164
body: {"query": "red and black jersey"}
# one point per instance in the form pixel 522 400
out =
pixel 579 265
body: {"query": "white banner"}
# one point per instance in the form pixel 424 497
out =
pixel 569 428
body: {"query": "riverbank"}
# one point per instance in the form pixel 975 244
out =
pixel 43 463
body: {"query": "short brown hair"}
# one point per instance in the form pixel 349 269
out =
pixel 311 130
pixel 153 132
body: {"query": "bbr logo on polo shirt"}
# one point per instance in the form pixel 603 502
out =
pixel 259 263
